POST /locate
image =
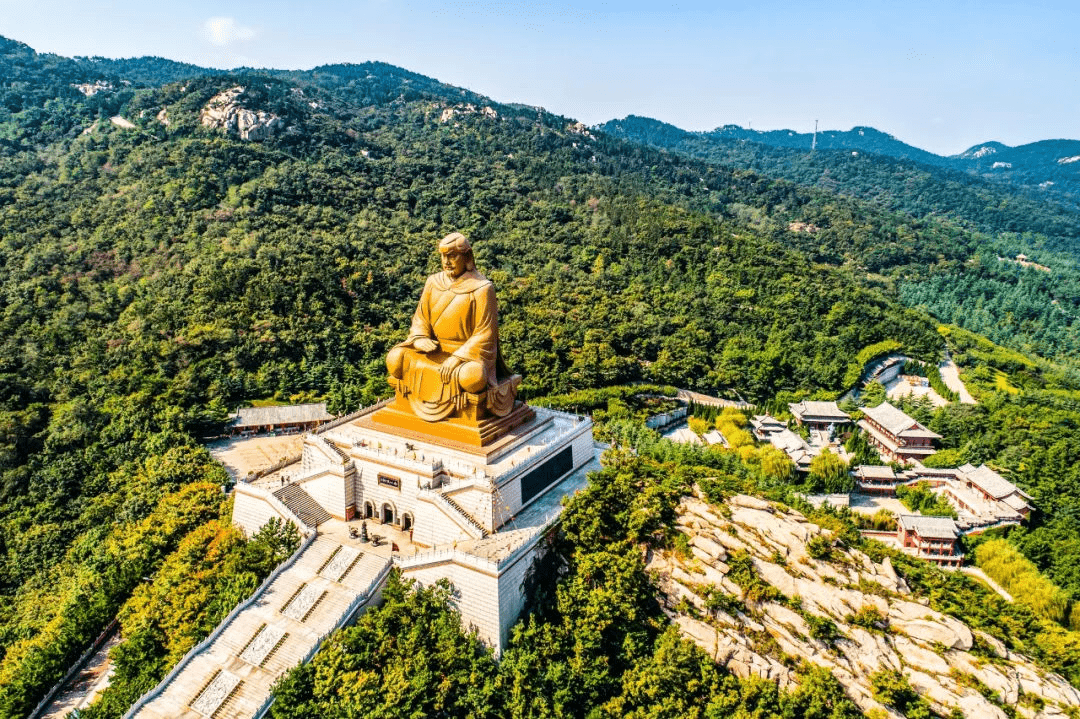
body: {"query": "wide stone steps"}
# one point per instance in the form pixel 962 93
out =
pixel 321 604
pixel 302 505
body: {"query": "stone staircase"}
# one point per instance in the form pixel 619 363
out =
pixel 302 505
pixel 465 515
pixel 333 447
pixel 231 676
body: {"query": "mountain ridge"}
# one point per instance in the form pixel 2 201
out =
pixel 1029 165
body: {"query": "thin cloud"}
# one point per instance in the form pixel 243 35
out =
pixel 224 31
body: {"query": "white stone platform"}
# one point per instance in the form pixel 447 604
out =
pixel 476 519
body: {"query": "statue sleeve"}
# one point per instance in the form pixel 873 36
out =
pixel 421 321
pixel 484 340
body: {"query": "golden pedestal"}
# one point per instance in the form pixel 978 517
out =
pixel 475 428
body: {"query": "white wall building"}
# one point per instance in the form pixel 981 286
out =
pixel 475 516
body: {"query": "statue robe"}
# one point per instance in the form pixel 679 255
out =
pixel 462 316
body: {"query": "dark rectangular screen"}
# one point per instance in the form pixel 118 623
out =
pixel 540 478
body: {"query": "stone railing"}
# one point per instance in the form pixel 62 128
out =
pixel 280 464
pixel 75 668
pixel 482 482
pixel 452 510
pixel 420 466
pixel 350 417
pixel 205 643
pixel 573 433
pixel 447 554
pixel 453 554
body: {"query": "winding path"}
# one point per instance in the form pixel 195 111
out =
pixel 950 374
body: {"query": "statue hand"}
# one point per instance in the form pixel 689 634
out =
pixel 425 345
pixel 446 369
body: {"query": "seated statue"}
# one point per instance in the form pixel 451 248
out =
pixel 451 356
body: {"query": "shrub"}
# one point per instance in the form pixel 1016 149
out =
pixel 820 547
pixel 919 498
pixel 822 628
pixel 869 617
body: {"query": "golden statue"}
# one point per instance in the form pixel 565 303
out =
pixel 448 372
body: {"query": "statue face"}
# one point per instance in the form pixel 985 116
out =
pixel 453 263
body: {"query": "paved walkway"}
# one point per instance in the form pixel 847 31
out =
pixel 897 388
pixel 242 455
pixel 231 677
pixel 950 374
pixel 87 686
pixel 870 504
pixel 983 577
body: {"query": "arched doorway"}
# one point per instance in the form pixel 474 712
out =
pixel 406 522
pixel 387 514
pixel 369 510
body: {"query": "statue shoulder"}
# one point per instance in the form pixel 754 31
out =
pixel 472 282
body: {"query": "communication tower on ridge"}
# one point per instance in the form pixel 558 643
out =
pixel 813 142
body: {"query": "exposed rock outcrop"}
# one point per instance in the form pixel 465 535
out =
pixel 467 109
pixel 844 612
pixel 225 112
pixel 92 88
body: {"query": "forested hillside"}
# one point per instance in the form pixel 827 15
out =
pixel 968 225
pixel 158 272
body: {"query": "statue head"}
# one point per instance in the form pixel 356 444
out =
pixel 456 255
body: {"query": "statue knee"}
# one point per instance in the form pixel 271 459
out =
pixel 472 377
pixel 395 362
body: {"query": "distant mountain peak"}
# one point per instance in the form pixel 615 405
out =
pixel 976 152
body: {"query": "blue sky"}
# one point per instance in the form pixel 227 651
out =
pixel 940 75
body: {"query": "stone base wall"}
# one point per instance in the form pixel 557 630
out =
pixel 329 491
pixel 489 601
pixel 251 511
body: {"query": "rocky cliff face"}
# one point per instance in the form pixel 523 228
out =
pixel 749 593
pixel 225 112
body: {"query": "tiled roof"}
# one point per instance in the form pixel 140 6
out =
pixel 1015 501
pixel 929 527
pixel 897 422
pixel 873 471
pixel 285 414
pixel 991 482
pixel 788 441
pixel 714 437
pixel 828 410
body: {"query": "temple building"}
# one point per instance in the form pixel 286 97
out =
pixel 764 426
pixel 992 488
pixel 982 498
pixel 877 479
pixel 795 447
pixel 285 419
pixel 934 538
pixel 897 437
pixel 822 416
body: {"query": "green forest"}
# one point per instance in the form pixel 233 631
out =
pixel 968 231
pixel 156 278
